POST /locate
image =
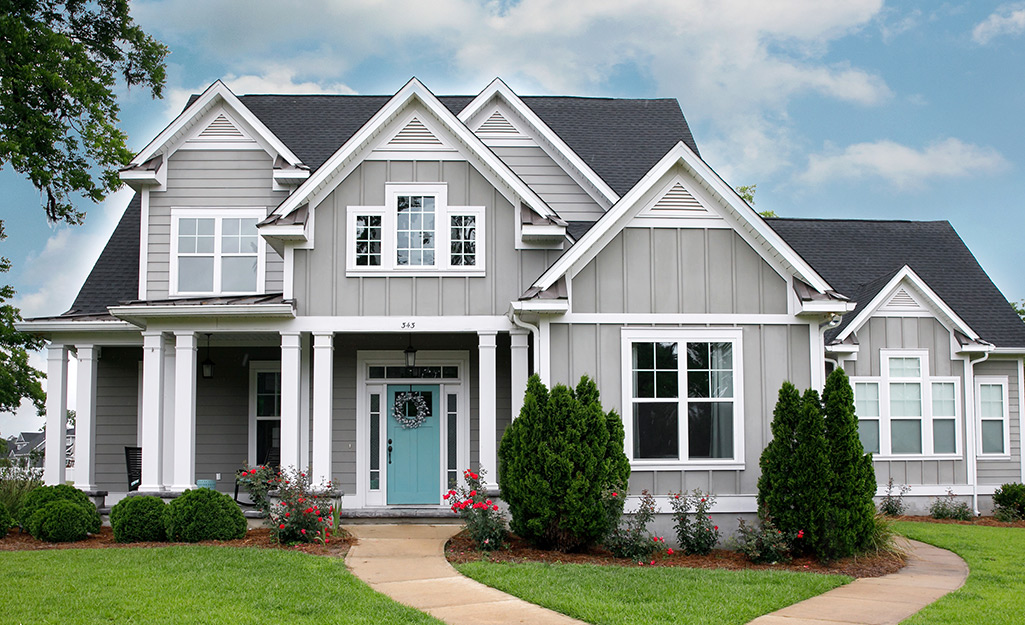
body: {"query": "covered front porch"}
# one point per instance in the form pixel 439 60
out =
pixel 201 402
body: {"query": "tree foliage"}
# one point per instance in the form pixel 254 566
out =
pixel 61 60
pixel 558 462
pixel 17 379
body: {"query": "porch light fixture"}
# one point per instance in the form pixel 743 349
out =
pixel 410 354
pixel 207 366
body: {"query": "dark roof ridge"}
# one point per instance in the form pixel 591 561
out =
pixel 861 219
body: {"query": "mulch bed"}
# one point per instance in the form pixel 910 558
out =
pixel 260 538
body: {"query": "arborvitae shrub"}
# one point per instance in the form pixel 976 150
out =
pixel 138 519
pixel 812 477
pixel 203 514
pixel 39 497
pixel 60 521
pixel 851 518
pixel 777 488
pixel 5 520
pixel 559 462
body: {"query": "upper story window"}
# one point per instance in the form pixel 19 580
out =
pixel 416 233
pixel 682 396
pixel 994 420
pixel 905 411
pixel 216 252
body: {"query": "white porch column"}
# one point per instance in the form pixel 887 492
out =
pixel 167 438
pixel 305 382
pixel 323 356
pixel 152 411
pixel 518 364
pixel 291 368
pixel 184 410
pixel 56 413
pixel 488 401
pixel 85 419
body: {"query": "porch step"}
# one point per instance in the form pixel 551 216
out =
pixel 406 516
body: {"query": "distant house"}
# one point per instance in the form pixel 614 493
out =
pixel 361 285
pixel 29 448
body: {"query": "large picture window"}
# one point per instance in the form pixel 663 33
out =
pixel 417 232
pixel 682 396
pixel 905 411
pixel 216 252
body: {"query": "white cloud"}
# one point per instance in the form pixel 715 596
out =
pixel 1008 19
pixel 902 166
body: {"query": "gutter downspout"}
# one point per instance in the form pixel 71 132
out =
pixel 973 469
pixel 534 332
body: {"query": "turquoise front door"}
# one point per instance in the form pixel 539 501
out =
pixel 414 452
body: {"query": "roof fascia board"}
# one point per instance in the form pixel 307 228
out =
pixel 498 88
pixel 884 294
pixel 55 325
pixel 217 92
pixel 203 310
pixel 413 89
pixel 615 219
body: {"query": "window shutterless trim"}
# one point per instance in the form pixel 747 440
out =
pixel 218 215
pixel 1005 419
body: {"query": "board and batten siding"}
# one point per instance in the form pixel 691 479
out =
pixel 920 333
pixel 117 414
pixel 999 472
pixel 321 284
pixel 222 414
pixel 546 178
pixel 678 270
pixel 772 354
pixel 209 179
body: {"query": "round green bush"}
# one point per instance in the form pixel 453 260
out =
pixel 40 497
pixel 60 521
pixel 5 520
pixel 203 514
pixel 138 519
pixel 1009 500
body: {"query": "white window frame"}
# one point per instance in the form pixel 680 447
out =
pixel 1001 381
pixel 629 336
pixel 442 232
pixel 255 367
pixel 218 215
pixel 883 381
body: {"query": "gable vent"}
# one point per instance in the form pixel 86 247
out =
pixel 497 124
pixel 221 128
pixel 902 300
pixel 415 133
pixel 678 198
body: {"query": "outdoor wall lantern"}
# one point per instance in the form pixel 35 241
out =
pixel 207 366
pixel 410 353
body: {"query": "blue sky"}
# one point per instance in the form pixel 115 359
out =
pixel 834 108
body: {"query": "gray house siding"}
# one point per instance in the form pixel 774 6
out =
pixel 1003 471
pixel 670 270
pixel 771 353
pixel 322 288
pixel 209 179
pixel 550 181
pixel 117 414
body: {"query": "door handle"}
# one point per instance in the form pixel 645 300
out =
pixel 389 451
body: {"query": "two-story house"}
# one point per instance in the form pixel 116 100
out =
pixel 361 285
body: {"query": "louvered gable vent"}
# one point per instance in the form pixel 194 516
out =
pixel 902 301
pixel 497 124
pixel 678 199
pixel 221 128
pixel 414 133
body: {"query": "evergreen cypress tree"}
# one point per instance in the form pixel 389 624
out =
pixel 812 479
pixel 776 486
pixel 852 510
pixel 555 463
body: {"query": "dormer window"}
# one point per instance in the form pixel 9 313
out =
pixel 216 252
pixel 417 232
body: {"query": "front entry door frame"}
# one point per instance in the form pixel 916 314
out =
pixel 375 494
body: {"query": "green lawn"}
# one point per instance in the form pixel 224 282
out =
pixel 188 584
pixel 614 595
pixel 995 590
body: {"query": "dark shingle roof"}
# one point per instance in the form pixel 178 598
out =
pixel 115 276
pixel 858 258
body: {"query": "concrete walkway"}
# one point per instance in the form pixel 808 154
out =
pixel 931 572
pixel 407 563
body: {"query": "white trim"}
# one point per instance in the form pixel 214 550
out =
pixel 542 306
pixel 134 313
pixel 941 490
pixel 152 411
pixel 54 466
pixel 223 318
pixel 184 411
pixel 291 376
pixel 518 373
pixel 85 418
pixel 754 229
pixel 215 93
pixel 1021 418
pixel 907 276
pixel 487 397
pixel 218 215
pixel 498 88
pixel 323 416
pixel 1004 383
pixel 67 325
pixel 331 172
pixel 305 400
pixel 629 336
pixel 255 368
pixel 289 278
pixel 721 319
pixel 144 243
pixel 724 504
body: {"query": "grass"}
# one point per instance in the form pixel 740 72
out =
pixel 611 595
pixel 189 584
pixel 996 582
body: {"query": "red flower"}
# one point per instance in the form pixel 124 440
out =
pixel 320 519
pixel 303 531
pixel 652 563
pixel 615 494
pixel 287 513
pixel 494 507
pixel 717 528
pixel 473 493
pixel 281 527
pixel 800 533
pixel 669 551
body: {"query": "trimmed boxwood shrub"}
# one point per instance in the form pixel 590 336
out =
pixel 60 521
pixel 5 520
pixel 40 497
pixel 138 519
pixel 203 514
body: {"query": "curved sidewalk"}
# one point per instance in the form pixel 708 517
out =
pixel 930 573
pixel 407 563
